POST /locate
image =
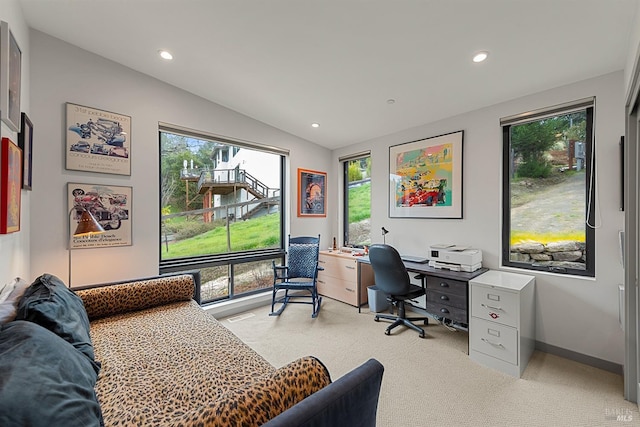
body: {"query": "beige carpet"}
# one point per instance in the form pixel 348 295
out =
pixel 432 381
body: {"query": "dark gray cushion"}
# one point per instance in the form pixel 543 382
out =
pixel 351 400
pixel 44 380
pixel 50 304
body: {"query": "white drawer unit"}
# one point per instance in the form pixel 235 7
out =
pixel 502 320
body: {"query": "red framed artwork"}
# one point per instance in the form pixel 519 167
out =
pixel 312 193
pixel 10 185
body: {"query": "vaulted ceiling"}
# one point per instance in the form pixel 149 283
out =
pixel 359 68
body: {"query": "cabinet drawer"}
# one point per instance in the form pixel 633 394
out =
pixel 447 311
pixel 458 301
pixel 495 304
pixel 447 286
pixel 343 269
pixel 494 339
pixel 341 290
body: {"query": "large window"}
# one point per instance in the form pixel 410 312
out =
pixel 357 200
pixel 220 211
pixel 549 191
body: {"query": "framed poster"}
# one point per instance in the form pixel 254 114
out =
pixel 425 178
pixel 10 185
pixel 97 140
pixel 312 193
pixel 25 142
pixel 10 78
pixel 110 205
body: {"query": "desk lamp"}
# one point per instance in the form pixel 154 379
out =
pixel 384 235
pixel 87 226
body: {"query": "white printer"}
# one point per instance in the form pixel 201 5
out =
pixel 454 257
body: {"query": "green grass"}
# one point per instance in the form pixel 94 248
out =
pixel 360 203
pixel 258 233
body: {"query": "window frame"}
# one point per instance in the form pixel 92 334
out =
pixel 231 259
pixel 345 191
pixel 588 105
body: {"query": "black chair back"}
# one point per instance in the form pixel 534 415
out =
pixel 302 254
pixel 390 274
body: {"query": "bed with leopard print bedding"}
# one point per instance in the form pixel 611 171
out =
pixel 144 353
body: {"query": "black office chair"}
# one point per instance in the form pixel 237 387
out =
pixel 299 275
pixel 391 277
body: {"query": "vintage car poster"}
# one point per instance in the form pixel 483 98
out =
pixel 425 178
pixel 98 140
pixel 110 205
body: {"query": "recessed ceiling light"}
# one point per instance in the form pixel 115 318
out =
pixel 164 54
pixel 315 125
pixel 480 56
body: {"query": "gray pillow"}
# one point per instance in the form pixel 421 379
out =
pixel 45 381
pixel 50 304
pixel 9 307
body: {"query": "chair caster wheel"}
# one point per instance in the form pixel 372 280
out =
pixel 377 319
pixel 422 335
pixel 387 332
pixel 426 322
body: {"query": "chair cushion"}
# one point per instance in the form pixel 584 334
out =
pixel 303 260
pixel 414 292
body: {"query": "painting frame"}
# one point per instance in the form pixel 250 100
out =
pixel 110 205
pixel 425 177
pixel 25 142
pixel 10 186
pixel 312 193
pixel 10 77
pixel 97 140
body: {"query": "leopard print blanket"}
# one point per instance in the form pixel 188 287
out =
pixel 172 364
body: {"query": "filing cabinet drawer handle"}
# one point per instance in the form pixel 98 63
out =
pixel 349 290
pixel 320 281
pixel 444 285
pixel 321 261
pixel 350 267
pixel 492 343
pixel 444 310
pixel 490 307
pixel 444 298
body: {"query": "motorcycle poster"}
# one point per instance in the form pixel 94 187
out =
pixel 97 140
pixel 109 205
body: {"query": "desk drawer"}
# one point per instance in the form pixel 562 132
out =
pixel 494 340
pixel 341 290
pixel 447 311
pixel 447 286
pixel 457 301
pixel 495 304
pixel 343 269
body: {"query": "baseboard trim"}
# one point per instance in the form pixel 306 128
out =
pixel 616 368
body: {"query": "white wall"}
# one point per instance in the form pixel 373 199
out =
pixel 14 247
pixel 576 314
pixel 64 73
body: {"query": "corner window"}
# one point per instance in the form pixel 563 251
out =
pixel 357 200
pixel 549 191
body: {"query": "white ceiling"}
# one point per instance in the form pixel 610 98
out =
pixel 289 63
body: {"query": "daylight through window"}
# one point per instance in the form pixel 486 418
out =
pixel 220 212
pixel 357 200
pixel 548 196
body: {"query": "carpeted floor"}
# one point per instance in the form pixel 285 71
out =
pixel 432 381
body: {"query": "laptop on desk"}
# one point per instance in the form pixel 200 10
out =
pixel 413 258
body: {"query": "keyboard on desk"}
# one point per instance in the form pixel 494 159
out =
pixel 412 258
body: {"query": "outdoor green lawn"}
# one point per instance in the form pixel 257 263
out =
pixel 257 233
